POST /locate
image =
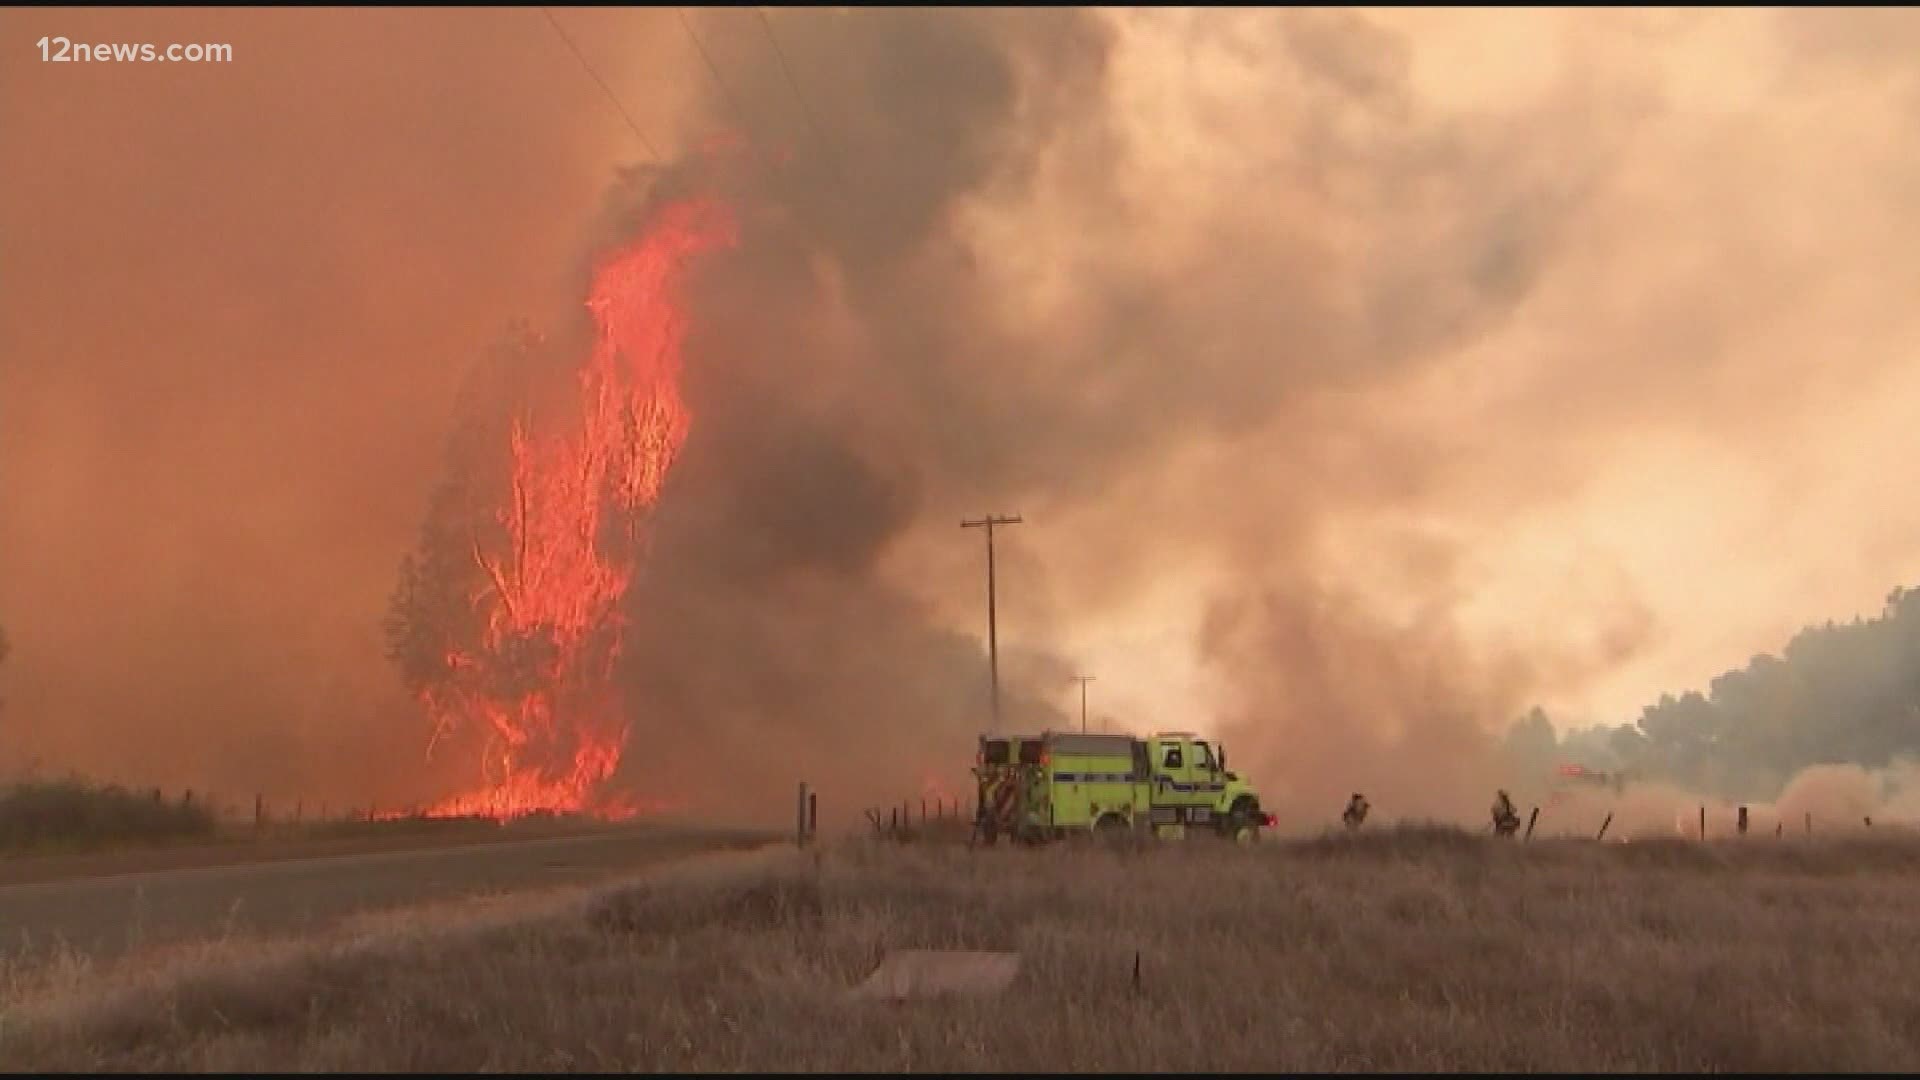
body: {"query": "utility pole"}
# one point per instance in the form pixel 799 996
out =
pixel 993 644
pixel 1083 680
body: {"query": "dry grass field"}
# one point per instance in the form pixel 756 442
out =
pixel 54 830
pixel 1402 949
pixel 232 846
pixel 53 816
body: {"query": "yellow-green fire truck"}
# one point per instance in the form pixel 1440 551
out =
pixel 1034 788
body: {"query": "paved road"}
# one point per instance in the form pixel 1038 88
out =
pixel 106 915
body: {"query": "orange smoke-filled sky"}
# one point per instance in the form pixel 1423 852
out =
pixel 236 301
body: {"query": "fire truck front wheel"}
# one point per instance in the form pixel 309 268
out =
pixel 1242 823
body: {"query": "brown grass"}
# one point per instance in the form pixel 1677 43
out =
pixel 228 845
pixel 75 815
pixel 1407 950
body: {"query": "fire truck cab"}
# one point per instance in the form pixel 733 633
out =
pixel 1192 786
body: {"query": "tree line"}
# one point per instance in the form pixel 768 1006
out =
pixel 1838 693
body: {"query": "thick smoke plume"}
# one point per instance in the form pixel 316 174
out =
pixel 1009 279
pixel 1363 379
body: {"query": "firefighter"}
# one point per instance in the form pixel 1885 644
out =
pixel 1356 811
pixel 1506 820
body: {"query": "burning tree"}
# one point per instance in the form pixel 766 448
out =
pixel 507 617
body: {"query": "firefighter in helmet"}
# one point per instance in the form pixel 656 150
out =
pixel 1356 811
pixel 1506 820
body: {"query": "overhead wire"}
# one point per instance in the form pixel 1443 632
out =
pixel 575 49
pixel 793 84
pixel 827 147
pixel 806 218
pixel 733 104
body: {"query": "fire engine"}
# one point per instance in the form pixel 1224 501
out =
pixel 1580 774
pixel 1035 788
pixel 1569 777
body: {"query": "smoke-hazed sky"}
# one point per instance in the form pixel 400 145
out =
pixel 1363 376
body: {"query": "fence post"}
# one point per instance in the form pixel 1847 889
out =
pixel 259 811
pixel 1531 818
pixel 1703 823
pixel 1603 826
pixel 893 821
pixel 813 815
pixel 800 817
pixel 1740 821
pixel 298 806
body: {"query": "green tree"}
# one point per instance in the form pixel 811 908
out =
pixel 430 614
pixel 1592 747
pixel 1531 742
pixel 1629 745
pixel 1846 693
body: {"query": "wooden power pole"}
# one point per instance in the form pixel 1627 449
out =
pixel 1083 680
pixel 993 644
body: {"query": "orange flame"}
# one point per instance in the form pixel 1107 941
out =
pixel 542 678
pixel 934 789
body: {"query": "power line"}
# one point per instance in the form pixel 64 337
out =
pixel 733 106
pixel 794 85
pixel 575 49
pixel 755 152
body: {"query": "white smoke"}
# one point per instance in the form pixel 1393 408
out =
pixel 1823 799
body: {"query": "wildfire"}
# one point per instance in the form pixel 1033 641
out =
pixel 936 791
pixel 541 680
